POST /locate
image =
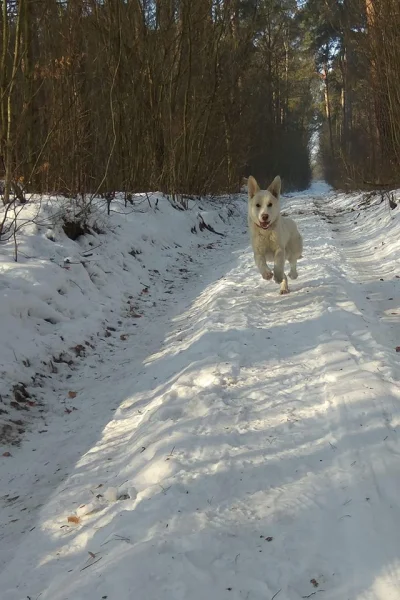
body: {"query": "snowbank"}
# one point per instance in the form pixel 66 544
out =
pixel 61 295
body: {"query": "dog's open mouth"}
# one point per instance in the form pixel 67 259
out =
pixel 264 225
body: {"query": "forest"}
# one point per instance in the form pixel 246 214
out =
pixel 187 97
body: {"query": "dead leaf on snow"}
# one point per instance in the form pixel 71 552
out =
pixel 74 519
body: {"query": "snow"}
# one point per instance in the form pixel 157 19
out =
pixel 62 295
pixel 235 443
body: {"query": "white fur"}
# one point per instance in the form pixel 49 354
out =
pixel 273 237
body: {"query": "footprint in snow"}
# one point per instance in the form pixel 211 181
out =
pixel 169 413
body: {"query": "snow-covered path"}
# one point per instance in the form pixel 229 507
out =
pixel 253 438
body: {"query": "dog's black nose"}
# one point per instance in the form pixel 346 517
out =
pixel 265 217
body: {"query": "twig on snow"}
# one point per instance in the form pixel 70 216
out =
pixel 91 249
pixel 275 595
pixel 118 538
pixel 91 564
pixel 78 286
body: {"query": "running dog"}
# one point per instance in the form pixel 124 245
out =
pixel 273 237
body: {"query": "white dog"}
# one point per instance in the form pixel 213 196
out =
pixel 273 237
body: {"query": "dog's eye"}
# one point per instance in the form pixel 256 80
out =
pixel 258 205
pixel 270 204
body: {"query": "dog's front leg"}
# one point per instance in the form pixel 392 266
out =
pixel 261 264
pixel 279 271
pixel 279 265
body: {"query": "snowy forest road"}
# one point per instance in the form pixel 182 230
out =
pixel 242 446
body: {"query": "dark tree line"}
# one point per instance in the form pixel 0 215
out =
pixel 188 96
pixel 178 95
pixel 355 43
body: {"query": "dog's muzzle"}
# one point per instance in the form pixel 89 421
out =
pixel 264 225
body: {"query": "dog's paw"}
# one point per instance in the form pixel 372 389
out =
pixel 284 291
pixel 267 275
pixel 278 278
pixel 293 274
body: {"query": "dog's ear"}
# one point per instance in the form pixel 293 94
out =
pixel 252 186
pixel 275 187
